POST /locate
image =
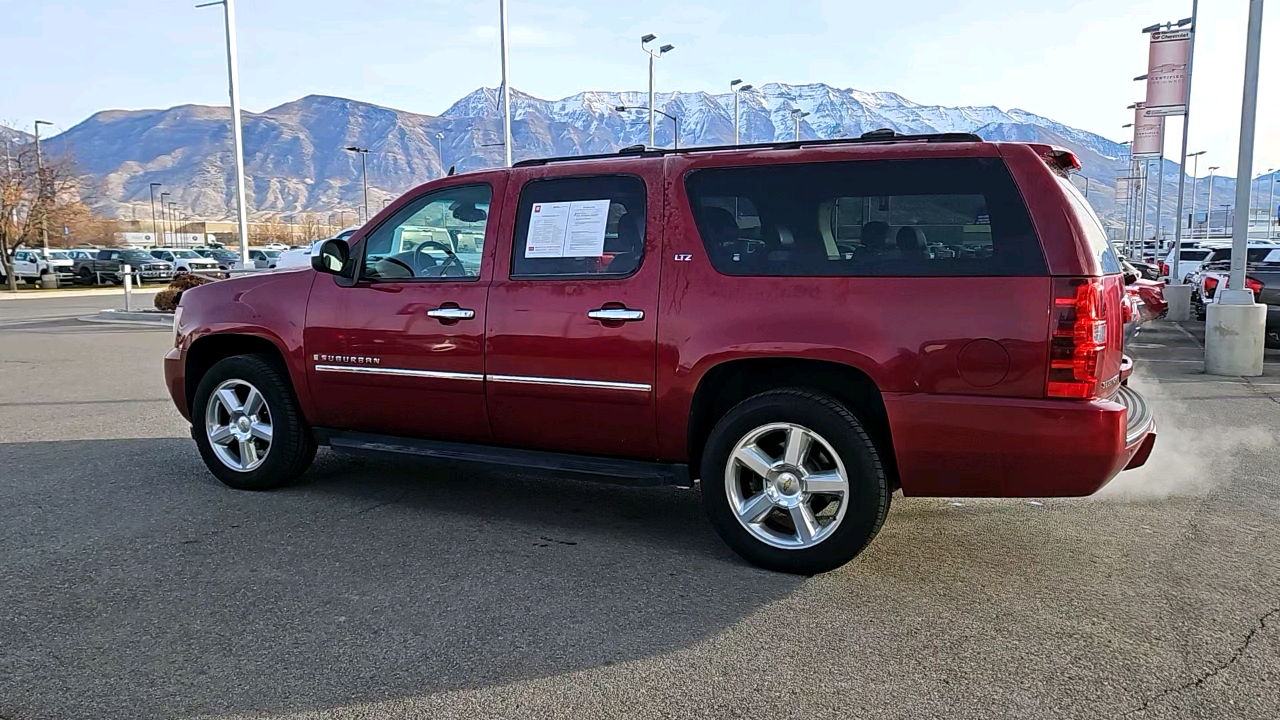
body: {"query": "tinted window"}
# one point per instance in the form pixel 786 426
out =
pixel 589 227
pixel 895 217
pixel 1094 232
pixel 1194 255
pixel 1252 255
pixel 440 235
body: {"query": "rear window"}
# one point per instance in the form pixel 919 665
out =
pixel 1194 255
pixel 1252 255
pixel 955 216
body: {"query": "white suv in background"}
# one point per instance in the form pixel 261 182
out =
pixel 186 261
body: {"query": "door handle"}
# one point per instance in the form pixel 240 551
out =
pixel 452 313
pixel 616 314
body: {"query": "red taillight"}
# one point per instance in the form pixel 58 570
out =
pixel 1164 269
pixel 1253 285
pixel 1210 284
pixel 1079 338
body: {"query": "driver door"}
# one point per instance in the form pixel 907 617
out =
pixel 400 350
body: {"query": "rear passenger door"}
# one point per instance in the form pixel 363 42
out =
pixel 572 326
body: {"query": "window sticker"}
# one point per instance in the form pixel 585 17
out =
pixel 567 229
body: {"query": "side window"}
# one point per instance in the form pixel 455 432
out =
pixel 580 227
pixel 438 236
pixel 942 217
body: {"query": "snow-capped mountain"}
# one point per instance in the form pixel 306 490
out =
pixel 296 162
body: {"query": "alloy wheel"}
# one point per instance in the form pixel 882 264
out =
pixel 787 486
pixel 238 425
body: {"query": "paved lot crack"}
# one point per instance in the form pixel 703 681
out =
pixel 1236 654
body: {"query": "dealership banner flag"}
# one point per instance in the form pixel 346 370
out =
pixel 1148 134
pixel 1167 77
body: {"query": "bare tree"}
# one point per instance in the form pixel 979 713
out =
pixel 33 198
pixel 312 227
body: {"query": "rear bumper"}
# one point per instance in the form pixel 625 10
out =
pixel 957 446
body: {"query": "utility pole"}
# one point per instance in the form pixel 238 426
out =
pixel 653 55
pixel 797 114
pixel 1195 173
pixel 40 191
pixel 237 132
pixel 154 228
pixel 506 90
pixel 164 219
pixel 733 87
pixel 1208 217
pixel 364 173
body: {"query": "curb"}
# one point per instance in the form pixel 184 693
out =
pixel 50 294
pixel 120 317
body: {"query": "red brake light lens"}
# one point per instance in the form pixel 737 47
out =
pixel 1253 285
pixel 1078 338
pixel 1164 268
pixel 1210 284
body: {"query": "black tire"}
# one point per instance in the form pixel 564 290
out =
pixel 86 276
pixel 292 446
pixel 868 494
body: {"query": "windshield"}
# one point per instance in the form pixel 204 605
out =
pixel 271 253
pixel 186 254
pixel 136 256
pixel 59 256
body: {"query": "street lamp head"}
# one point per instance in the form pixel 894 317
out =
pixel 1140 77
pixel 646 39
pixel 353 148
pixel 1214 167
pixel 1196 154
pixel 1184 22
pixel 622 108
pixel 745 88
pixel 1127 125
pixel 1151 28
pixel 156 185
pixel 734 83
pixel 666 49
pixel 439 136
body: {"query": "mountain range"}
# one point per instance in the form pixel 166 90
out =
pixel 295 161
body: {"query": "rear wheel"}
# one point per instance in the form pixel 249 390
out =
pixel 792 482
pixel 248 426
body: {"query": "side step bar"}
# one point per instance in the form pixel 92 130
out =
pixel 633 473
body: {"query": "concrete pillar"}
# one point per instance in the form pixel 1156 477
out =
pixel 48 281
pixel 1235 334
pixel 1179 299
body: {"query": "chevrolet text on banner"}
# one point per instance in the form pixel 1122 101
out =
pixel 1148 133
pixel 1167 73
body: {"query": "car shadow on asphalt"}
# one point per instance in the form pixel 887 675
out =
pixel 135 585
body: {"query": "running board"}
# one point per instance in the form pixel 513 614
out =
pixel 633 473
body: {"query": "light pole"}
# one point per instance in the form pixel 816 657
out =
pixel 164 220
pixel 1236 322
pixel 440 151
pixel 1086 186
pixel 1208 218
pixel 506 89
pixel 1271 202
pixel 237 132
pixel 797 114
pixel 675 122
pixel 40 188
pixel 734 87
pixel 653 55
pixel 1195 173
pixel 155 230
pixel 364 173
pixel 173 220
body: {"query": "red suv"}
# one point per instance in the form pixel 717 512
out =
pixel 803 327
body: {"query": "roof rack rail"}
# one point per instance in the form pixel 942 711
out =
pixel 883 135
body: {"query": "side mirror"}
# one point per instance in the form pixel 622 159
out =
pixel 331 256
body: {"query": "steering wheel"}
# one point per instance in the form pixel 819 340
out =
pixel 451 267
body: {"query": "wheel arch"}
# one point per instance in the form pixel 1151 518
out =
pixel 727 383
pixel 207 350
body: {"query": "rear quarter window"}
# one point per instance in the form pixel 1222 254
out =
pixel 936 217
pixel 1094 232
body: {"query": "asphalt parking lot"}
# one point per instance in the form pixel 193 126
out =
pixel 134 585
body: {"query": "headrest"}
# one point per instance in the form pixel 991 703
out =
pixel 911 237
pixel 875 234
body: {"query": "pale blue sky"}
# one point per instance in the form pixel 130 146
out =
pixel 1069 60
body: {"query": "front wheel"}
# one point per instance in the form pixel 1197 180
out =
pixel 793 483
pixel 247 424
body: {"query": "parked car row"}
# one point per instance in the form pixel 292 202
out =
pixel 1262 276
